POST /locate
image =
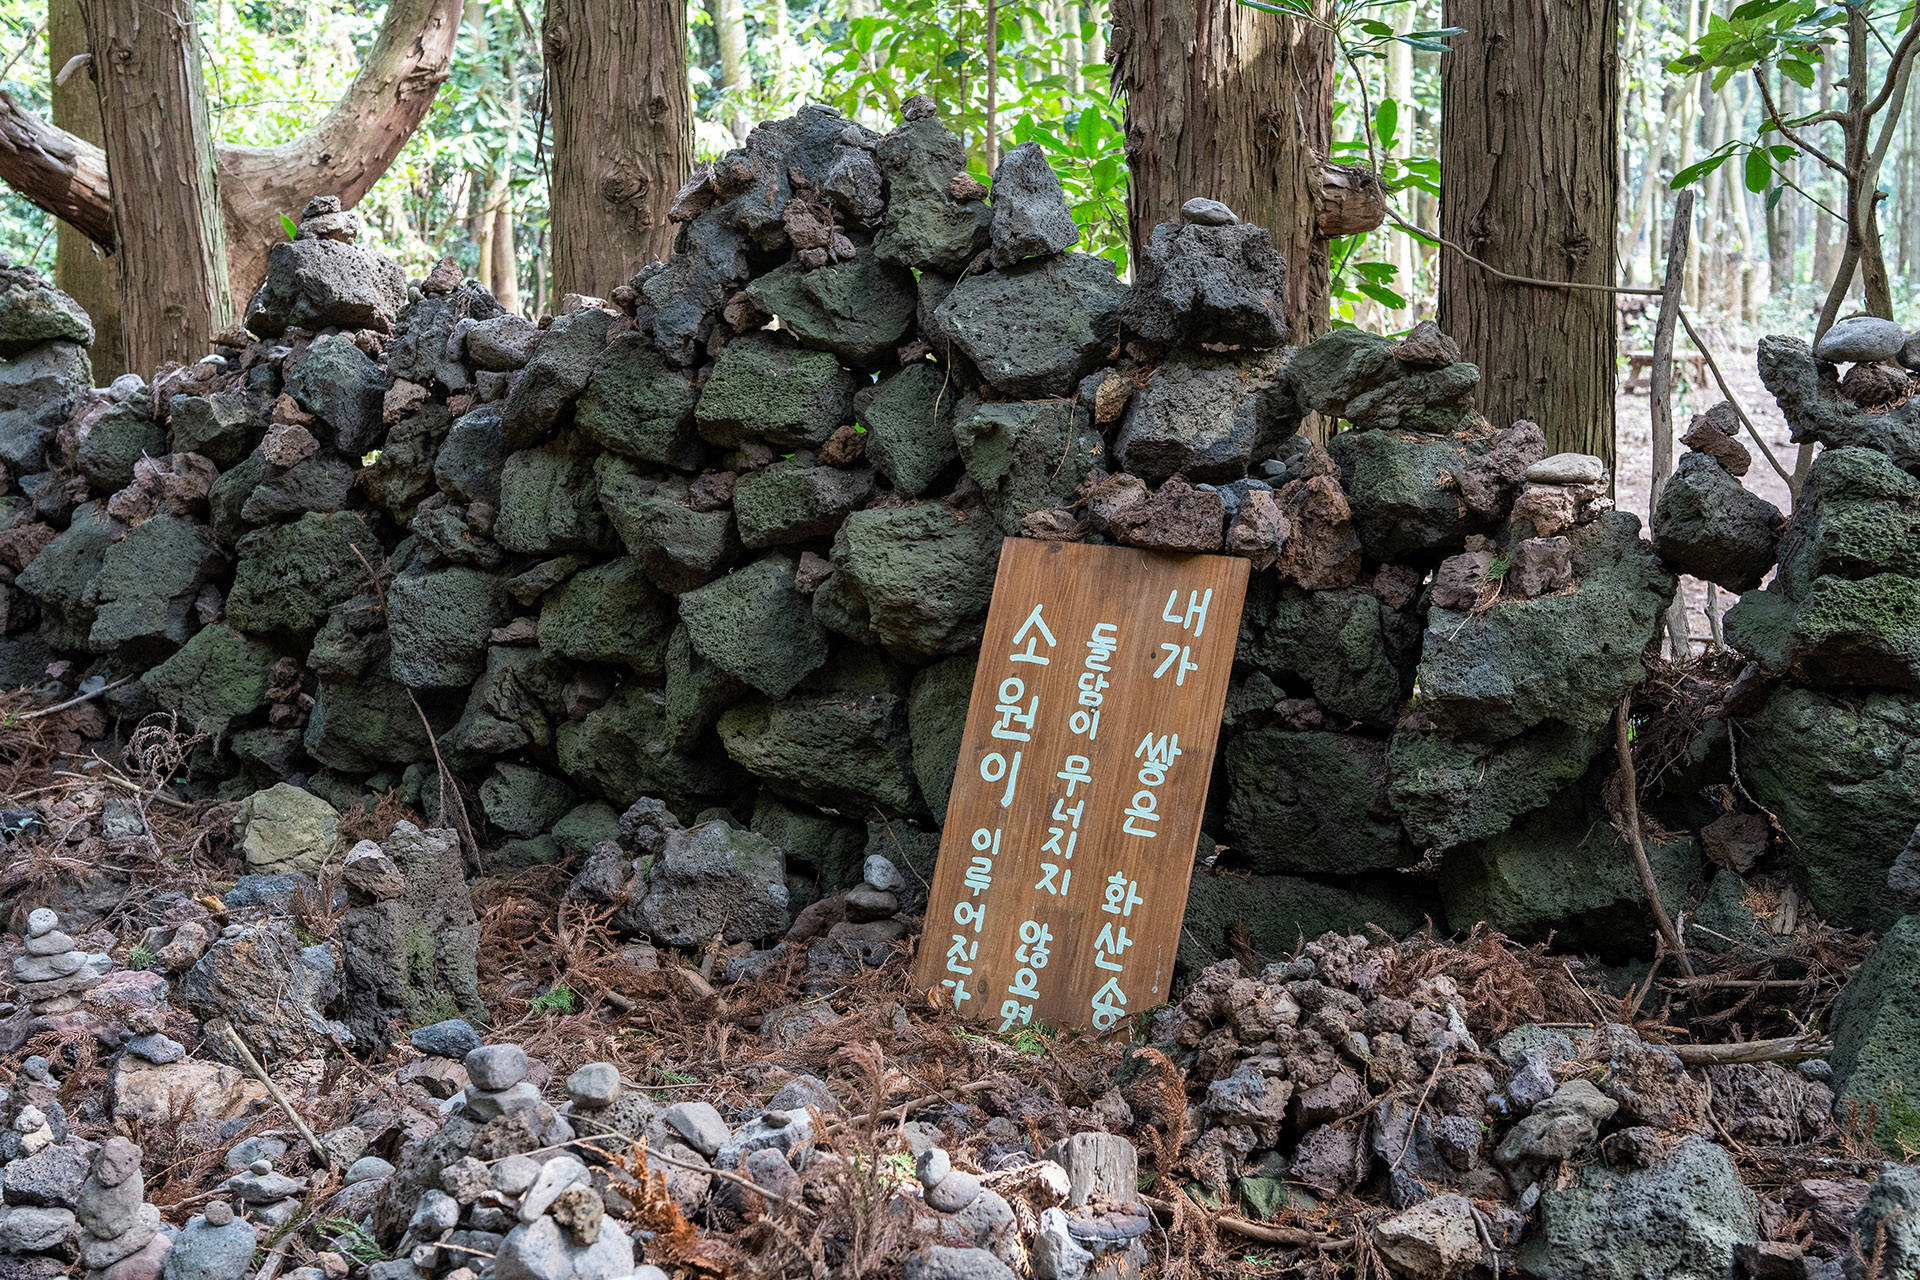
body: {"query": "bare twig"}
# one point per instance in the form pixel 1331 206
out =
pixel 1786 1049
pixel 74 702
pixel 1295 1236
pixel 1636 845
pixel 253 1064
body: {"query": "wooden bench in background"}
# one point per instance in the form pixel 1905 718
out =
pixel 1640 363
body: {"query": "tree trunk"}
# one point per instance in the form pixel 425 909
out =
pixel 166 202
pixel 1236 104
pixel 80 267
pixel 344 154
pixel 1824 261
pixel 1780 228
pixel 622 135
pixel 1528 126
pixel 730 29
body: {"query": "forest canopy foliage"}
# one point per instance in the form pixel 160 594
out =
pixel 1718 94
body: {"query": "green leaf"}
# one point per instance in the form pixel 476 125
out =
pixel 1801 73
pixel 1386 122
pixel 1383 295
pixel 1773 197
pixel 1694 172
pixel 1759 168
pixel 289 226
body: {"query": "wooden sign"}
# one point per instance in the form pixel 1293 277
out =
pixel 1069 839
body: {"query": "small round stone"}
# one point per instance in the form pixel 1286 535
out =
pixel 879 871
pixel 494 1067
pixel 41 920
pixel 260 1168
pixel 1207 213
pixel 218 1214
pixel 515 1174
pixel 866 904
pixel 1568 468
pixel 954 1192
pixel 368 1169
pixel 1861 339
pixel 595 1085
pixel 932 1167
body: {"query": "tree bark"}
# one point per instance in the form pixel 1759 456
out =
pixel 1235 104
pixel 166 204
pixel 80 267
pixel 622 135
pixel 730 30
pixel 1528 126
pixel 344 154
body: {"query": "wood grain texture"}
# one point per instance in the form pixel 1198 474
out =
pixel 1006 853
pixel 81 268
pixel 1528 138
pixel 622 135
pixel 172 245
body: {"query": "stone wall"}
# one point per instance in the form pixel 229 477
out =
pixel 657 547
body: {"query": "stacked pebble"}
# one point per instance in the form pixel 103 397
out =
pixel 120 1235
pixel 539 1214
pixel 53 974
pixel 36 1134
pixel 497 1075
pixel 269 1199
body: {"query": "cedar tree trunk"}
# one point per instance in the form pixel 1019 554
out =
pixel 622 136
pixel 1236 104
pixel 80 267
pixel 1529 126
pixel 344 154
pixel 172 246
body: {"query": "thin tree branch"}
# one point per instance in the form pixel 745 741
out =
pixel 1786 130
pixel 1636 846
pixel 1484 265
pixel 1903 55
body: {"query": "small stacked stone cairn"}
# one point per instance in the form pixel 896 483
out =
pixel 53 974
pixel 36 1134
pixel 120 1235
pixel 497 1075
pixel 873 903
pixel 1876 349
pixel 538 1213
pixel 269 1199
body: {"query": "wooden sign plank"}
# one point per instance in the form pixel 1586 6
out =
pixel 1069 838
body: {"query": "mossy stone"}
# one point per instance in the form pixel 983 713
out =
pixel 217 677
pixel 288 578
pixel 640 406
pixel 755 626
pixel 609 613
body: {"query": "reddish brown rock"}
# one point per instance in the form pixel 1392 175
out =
pixel 1178 517
pixel 1322 551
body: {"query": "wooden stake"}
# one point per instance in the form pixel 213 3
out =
pixel 1660 399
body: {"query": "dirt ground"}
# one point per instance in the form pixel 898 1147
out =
pixel 1633 418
